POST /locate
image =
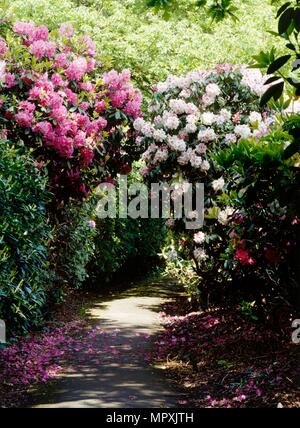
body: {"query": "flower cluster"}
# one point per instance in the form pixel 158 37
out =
pixel 191 114
pixel 54 99
pixel 191 118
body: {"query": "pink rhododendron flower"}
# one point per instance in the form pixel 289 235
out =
pixel 87 86
pixel 24 118
pixel 47 102
pixel 24 28
pixel 244 257
pixel 57 80
pixel 44 128
pixel 26 105
pixel 71 96
pixel 100 106
pixel 66 30
pixel 10 80
pixel 90 46
pixel 40 33
pixel 61 60
pixel 91 65
pixel 41 49
pixel 77 69
pixel 84 105
pixel 3 47
pixel 59 114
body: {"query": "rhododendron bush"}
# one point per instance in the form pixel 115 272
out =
pixel 192 118
pixel 54 98
pixel 262 251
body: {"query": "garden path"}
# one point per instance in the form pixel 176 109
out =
pixel 124 378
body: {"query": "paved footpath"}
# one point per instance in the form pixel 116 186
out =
pixel 124 379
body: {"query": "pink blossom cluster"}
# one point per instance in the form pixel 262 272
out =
pixel 63 105
pixel 122 93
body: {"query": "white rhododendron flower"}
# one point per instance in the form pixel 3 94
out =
pixel 230 138
pixel 208 118
pixel 146 156
pixel 193 118
pixel 253 78
pixel 162 87
pixel 255 117
pixel 159 135
pixel 147 130
pixel 178 106
pixel 224 215
pixel 199 237
pixel 161 156
pixel 190 128
pixel 179 189
pixel 185 157
pixel 200 254
pixel 176 143
pixel 138 124
pixel 185 93
pixel 212 90
pixel 201 148
pixel 218 185
pixel 191 109
pixel 207 100
pixel 206 135
pixel 171 121
pixel 2 70
pixel 205 166
pixel 196 161
pixel 223 117
pixel 158 120
pixel 242 131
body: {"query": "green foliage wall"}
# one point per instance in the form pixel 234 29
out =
pixel 24 233
pixel 129 35
pixel 119 241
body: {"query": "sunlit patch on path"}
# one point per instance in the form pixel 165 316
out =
pixel 111 366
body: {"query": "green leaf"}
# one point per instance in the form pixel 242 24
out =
pixel 274 92
pixel 285 20
pixel 292 149
pixel 272 79
pixel 278 63
pixel 282 9
pixel 291 46
pixel 297 20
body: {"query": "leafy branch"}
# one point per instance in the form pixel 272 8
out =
pixel 288 16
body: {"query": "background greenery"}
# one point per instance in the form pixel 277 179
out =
pixel 129 35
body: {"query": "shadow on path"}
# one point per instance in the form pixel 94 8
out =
pixel 121 378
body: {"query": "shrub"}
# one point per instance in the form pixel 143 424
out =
pixel 130 36
pixel 78 122
pixel 191 118
pixel 23 239
pixel 125 245
pixel 209 128
pixel 262 248
pixel 72 247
